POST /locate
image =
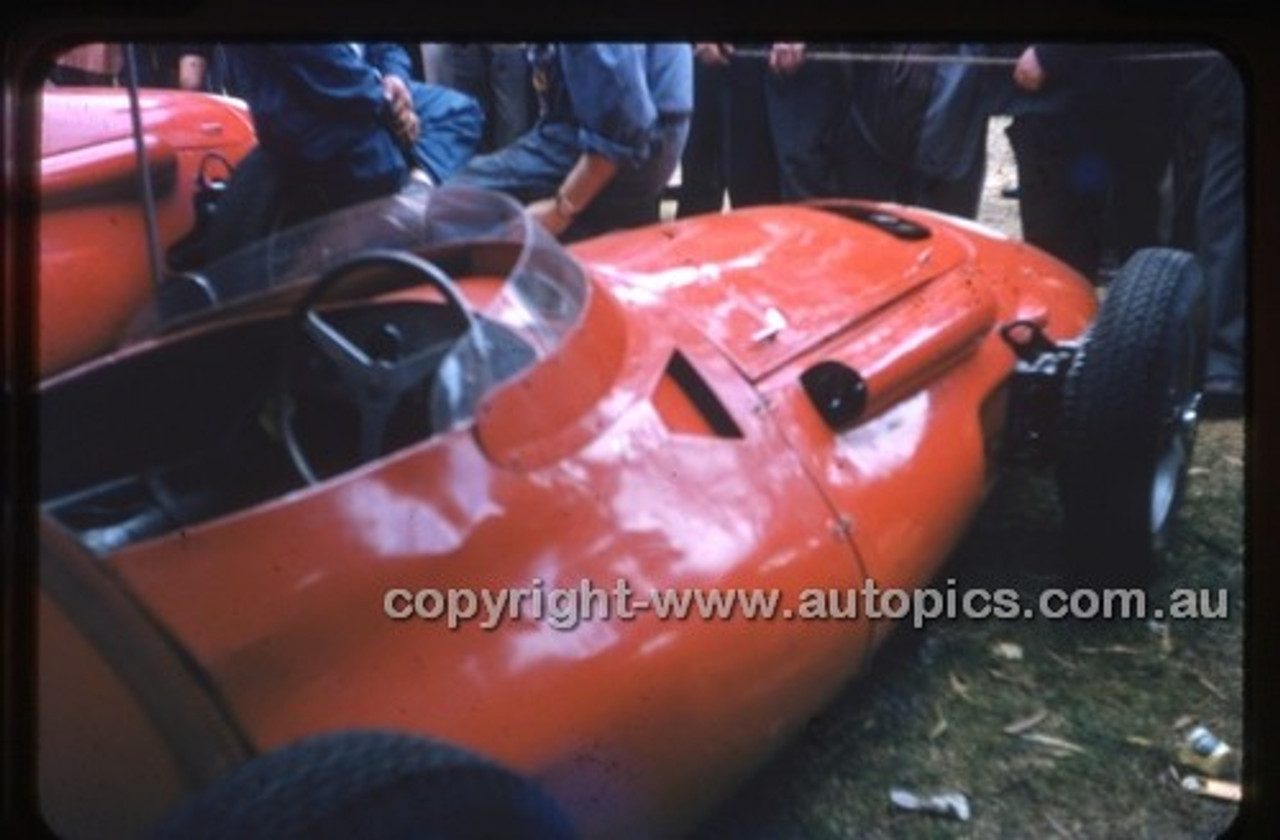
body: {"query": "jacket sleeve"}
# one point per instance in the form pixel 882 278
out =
pixel 609 92
pixel 333 76
pixel 390 59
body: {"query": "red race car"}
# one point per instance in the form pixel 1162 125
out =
pixel 95 270
pixel 388 520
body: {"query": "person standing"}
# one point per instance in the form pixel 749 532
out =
pixel 497 76
pixel 916 126
pixel 1215 97
pixel 1092 134
pixel 762 129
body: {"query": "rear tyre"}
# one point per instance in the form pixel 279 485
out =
pixel 1129 416
pixel 368 784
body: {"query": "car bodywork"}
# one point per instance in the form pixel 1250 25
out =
pixel 779 398
pixel 88 201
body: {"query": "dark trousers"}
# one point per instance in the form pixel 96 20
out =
pixel 1063 176
pixel 704 165
pixel 498 76
pixel 760 136
pixel 1217 94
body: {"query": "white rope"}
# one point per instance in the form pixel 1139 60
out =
pixel 956 58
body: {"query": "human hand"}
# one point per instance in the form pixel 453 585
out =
pixel 1027 73
pixel 714 55
pixel 191 71
pixel 785 59
pixel 404 119
pixel 546 211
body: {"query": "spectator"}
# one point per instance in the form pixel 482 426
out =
pixel 951 157
pixel 497 76
pixel 614 120
pixel 1125 133
pixel 761 129
pixel 1215 97
pixel 174 65
pixel 1092 137
pixel 704 164
pixel 916 127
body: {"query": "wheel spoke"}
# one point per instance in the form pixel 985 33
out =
pixel 336 345
pixel 374 385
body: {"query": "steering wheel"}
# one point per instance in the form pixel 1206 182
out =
pixel 373 380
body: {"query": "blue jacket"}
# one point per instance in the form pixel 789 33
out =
pixel 319 109
pixel 615 94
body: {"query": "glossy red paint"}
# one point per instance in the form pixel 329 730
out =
pixel 596 465
pixel 94 269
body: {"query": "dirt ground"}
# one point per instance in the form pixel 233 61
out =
pixel 1074 739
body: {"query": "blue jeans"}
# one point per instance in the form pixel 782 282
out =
pixel 451 127
pixel 536 164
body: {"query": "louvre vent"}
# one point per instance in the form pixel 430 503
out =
pixel 687 405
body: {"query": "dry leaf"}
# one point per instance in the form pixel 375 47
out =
pixel 1020 681
pixel 1051 741
pixel 1213 689
pixel 1022 725
pixel 940 726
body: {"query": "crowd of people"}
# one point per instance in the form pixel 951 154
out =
pixel 1117 146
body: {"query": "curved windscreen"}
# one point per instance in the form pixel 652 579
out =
pixel 466 231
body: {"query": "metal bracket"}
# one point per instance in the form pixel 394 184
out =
pixel 1035 391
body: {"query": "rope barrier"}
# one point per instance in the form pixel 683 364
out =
pixel 956 58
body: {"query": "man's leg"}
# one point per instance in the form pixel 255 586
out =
pixel 1220 235
pixel 514 103
pixel 1061 184
pixel 804 111
pixel 531 168
pixel 702 163
pixel 752 163
pixel 451 127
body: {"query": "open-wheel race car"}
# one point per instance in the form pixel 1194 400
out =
pixel 272 520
